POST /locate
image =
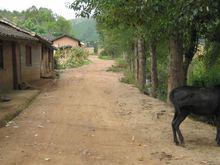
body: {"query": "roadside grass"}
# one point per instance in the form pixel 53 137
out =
pixel 105 57
pixel 85 62
pixel 62 68
pixel 121 66
pixel 128 76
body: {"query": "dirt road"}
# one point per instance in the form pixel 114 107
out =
pixel 90 118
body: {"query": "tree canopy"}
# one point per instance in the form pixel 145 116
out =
pixel 42 21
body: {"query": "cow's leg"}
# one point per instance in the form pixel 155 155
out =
pixel 218 129
pixel 180 117
pixel 174 130
pixel 216 123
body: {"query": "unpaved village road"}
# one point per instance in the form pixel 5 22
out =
pixel 91 118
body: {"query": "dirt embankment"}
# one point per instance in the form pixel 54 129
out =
pixel 90 118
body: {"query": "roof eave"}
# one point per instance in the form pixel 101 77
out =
pixel 65 35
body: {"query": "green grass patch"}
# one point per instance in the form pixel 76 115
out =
pixel 105 57
pixel 128 77
pixel 114 68
pixel 121 66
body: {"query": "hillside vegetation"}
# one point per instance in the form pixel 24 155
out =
pixel 40 20
pixel 45 22
pixel 85 29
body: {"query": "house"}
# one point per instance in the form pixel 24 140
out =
pixel 24 56
pixel 66 41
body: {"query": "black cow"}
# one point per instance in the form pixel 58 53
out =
pixel 203 101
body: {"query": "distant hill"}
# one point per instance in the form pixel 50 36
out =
pixel 85 29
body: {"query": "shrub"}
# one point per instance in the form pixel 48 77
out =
pixel 104 55
pixel 128 77
pixel 201 76
pixel 122 66
pixel 70 58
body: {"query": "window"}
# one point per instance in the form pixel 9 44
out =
pixel 1 56
pixel 28 56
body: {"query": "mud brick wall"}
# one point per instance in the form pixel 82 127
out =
pixel 6 74
pixel 65 41
pixel 32 72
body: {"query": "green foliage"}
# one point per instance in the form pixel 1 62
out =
pixel 103 53
pixel 205 69
pixel 197 73
pixel 41 21
pixel 62 26
pixel 212 54
pixel 162 66
pixel 122 66
pixel 70 58
pixel 115 41
pixel 85 29
pixel 201 76
pixel 104 56
pixel 119 66
pixel 129 77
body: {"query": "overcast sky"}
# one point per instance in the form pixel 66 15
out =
pixel 58 6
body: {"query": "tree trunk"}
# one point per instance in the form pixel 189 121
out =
pixel 154 75
pixel 136 62
pixel 133 60
pixel 142 63
pixel 137 69
pixel 129 61
pixel 176 73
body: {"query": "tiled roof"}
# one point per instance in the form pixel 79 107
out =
pixel 11 31
pixel 65 35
